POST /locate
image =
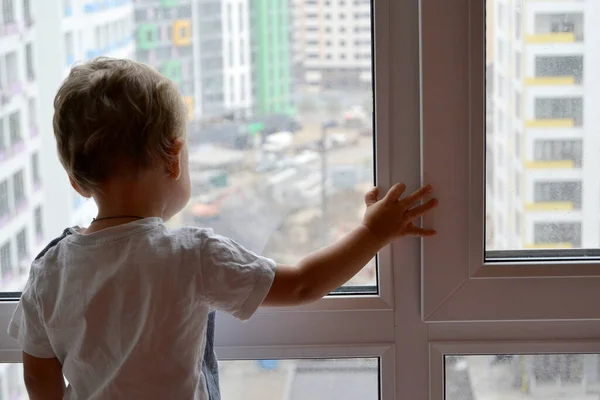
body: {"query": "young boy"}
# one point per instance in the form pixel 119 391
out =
pixel 125 308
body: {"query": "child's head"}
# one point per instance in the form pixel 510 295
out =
pixel 121 123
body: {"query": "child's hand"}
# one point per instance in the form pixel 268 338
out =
pixel 392 217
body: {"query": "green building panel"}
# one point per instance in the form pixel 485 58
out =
pixel 172 70
pixel 169 3
pixel 273 59
pixel 147 36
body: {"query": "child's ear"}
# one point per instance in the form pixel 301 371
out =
pixel 78 189
pixel 176 153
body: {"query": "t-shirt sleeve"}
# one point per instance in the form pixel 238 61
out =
pixel 233 279
pixel 26 325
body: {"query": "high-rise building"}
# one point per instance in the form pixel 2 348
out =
pixel 546 82
pixel 21 207
pixel 164 40
pixel 272 64
pixel 333 42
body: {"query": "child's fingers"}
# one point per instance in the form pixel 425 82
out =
pixel 372 196
pixel 417 195
pixel 418 211
pixel 393 195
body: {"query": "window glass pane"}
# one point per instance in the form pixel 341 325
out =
pixel 522 377
pixel 348 379
pixel 280 132
pixel 546 132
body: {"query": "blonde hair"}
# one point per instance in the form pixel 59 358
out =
pixel 111 114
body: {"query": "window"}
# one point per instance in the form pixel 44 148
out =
pixel 518 105
pixel 2 138
pixel 500 23
pixel 19 189
pixel 505 276
pixel 29 62
pixel 569 192
pixel 22 251
pixel 559 150
pixel 8 11
pixel 38 223
pixel 31 110
pixel 500 50
pixel 35 169
pixel 560 108
pixel 69 48
pixel 14 128
pixel 4 205
pixel 563 234
pixel 12 68
pixel 500 301
pixel 563 66
pixel 5 260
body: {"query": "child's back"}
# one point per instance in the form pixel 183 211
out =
pixel 129 304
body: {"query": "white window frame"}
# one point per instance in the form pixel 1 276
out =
pixel 455 271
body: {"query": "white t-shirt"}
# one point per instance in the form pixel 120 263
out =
pixel 125 309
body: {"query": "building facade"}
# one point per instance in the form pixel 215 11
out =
pixel 332 42
pixel 272 56
pixel 543 165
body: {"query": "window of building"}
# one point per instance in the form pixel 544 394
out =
pixel 29 62
pixel 567 233
pixel 559 150
pixel 4 205
pixel 560 108
pixel 558 192
pixel 69 48
pixel 22 250
pixel 2 138
pixel 19 189
pixel 38 223
pixel 518 25
pixel 518 105
pixel 35 169
pixel 5 260
pixel 8 11
pixel 14 128
pixel 32 113
pixel 518 65
pixel 12 68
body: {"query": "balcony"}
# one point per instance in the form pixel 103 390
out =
pixel 552 81
pixel 557 28
pixel 549 206
pixel 549 38
pixel 561 164
pixel 557 71
pixel 551 123
pixel 548 246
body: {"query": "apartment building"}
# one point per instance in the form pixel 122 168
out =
pixel 21 200
pixel 332 42
pixel 546 80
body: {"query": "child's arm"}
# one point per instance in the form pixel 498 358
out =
pixel 325 270
pixel 43 378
